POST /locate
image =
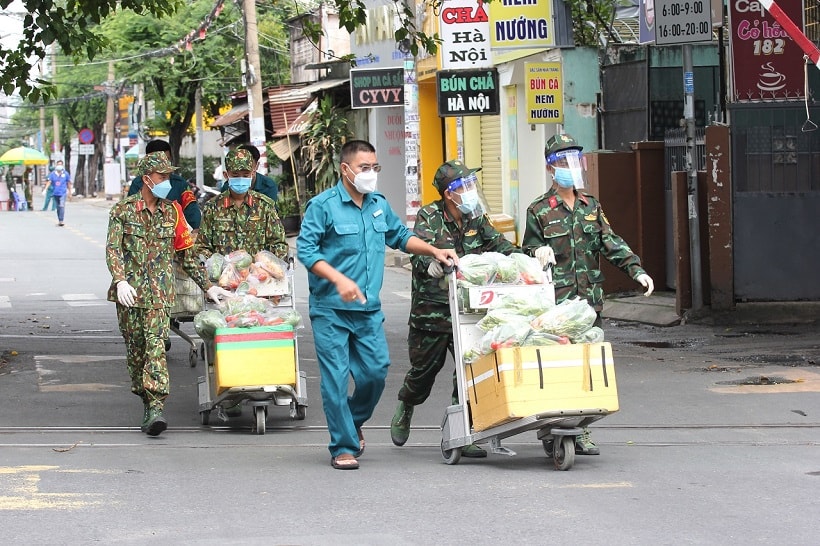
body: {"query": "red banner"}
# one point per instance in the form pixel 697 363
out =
pixel 767 65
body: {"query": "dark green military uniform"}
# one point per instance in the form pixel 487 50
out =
pixel 431 330
pixel 578 236
pixel 253 226
pixel 140 249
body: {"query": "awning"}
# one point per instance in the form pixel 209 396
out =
pixel 238 112
pixel 283 148
pixel 299 122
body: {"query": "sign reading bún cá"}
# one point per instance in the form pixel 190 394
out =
pixel 467 92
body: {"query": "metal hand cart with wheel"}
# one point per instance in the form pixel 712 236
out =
pixel 256 367
pixel 188 301
pixel 554 390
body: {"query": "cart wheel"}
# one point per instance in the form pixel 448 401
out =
pixel 564 454
pixel 298 411
pixel 192 357
pixel 451 456
pixel 549 445
pixel 261 416
pixel 205 417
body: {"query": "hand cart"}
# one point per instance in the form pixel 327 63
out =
pixel 262 371
pixel 553 390
pixel 189 301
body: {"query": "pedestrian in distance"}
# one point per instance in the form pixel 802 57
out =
pixel 341 243
pixel 48 192
pixel 145 233
pixel 240 219
pixel 456 221
pixel 59 182
pixel 259 182
pixel 180 190
pixel 567 227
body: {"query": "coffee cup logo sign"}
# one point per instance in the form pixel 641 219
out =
pixel 767 65
pixel 465 34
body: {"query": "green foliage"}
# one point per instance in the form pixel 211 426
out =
pixel 322 140
pixel 591 19
pixel 71 25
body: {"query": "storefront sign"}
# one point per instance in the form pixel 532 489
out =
pixel 545 93
pixel 521 24
pixel 376 87
pixel 465 34
pixel 467 92
pixel 767 65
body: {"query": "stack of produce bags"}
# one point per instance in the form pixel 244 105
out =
pixel 244 312
pixel 517 321
pixel 244 274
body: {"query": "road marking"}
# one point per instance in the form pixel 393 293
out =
pixel 21 485
pixel 403 294
pixel 5 302
pixel 7 279
pixel 50 380
pixel 83 300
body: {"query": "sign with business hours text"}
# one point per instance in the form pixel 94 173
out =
pixel 683 21
pixel 464 28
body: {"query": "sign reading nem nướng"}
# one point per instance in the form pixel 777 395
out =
pixel 544 92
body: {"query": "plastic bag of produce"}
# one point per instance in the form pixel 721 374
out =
pixel 529 269
pixel 593 335
pixel 214 266
pixel 477 269
pixel 533 304
pixel 268 261
pixel 500 315
pixel 508 334
pixel 540 338
pixel 240 259
pixel 569 318
pixel 206 323
pixel 230 277
pixel 238 305
pixel 506 268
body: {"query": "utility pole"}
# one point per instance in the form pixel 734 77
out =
pixel 692 177
pixel 54 119
pixel 200 176
pixel 109 113
pixel 253 81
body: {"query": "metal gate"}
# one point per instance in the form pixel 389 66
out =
pixel 624 100
pixel 776 204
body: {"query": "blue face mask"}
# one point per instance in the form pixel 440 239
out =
pixel 563 177
pixel 469 202
pixel 239 185
pixel 162 189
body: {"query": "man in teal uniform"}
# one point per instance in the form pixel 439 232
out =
pixel 341 243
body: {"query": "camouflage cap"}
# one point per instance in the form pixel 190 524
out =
pixel 155 162
pixel 450 171
pixel 239 159
pixel 559 142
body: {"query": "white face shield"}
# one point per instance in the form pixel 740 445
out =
pixel 464 192
pixel 570 168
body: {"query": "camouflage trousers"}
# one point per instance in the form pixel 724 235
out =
pixel 144 332
pixel 428 352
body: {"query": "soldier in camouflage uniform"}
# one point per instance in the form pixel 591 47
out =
pixel 241 218
pixel 455 221
pixel 568 228
pixel 145 231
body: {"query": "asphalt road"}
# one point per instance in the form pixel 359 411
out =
pixel 716 441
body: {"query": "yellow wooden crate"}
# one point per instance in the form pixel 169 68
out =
pixel 522 381
pixel 259 356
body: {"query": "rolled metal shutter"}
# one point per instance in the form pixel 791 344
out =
pixel 490 175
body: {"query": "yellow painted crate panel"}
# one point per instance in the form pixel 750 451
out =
pixel 259 356
pixel 522 381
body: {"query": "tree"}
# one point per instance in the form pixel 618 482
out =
pixel 73 26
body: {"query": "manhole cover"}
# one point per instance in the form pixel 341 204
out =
pixel 662 344
pixel 759 380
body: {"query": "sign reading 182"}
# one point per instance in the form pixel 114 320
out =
pixel 683 21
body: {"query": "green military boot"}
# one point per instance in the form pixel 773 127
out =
pixel 472 451
pixel 584 445
pixel 156 422
pixel 400 425
pixel 145 414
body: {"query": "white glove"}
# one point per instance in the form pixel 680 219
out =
pixel 545 255
pixel 126 294
pixel 647 283
pixel 435 270
pixel 43 192
pixel 215 292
